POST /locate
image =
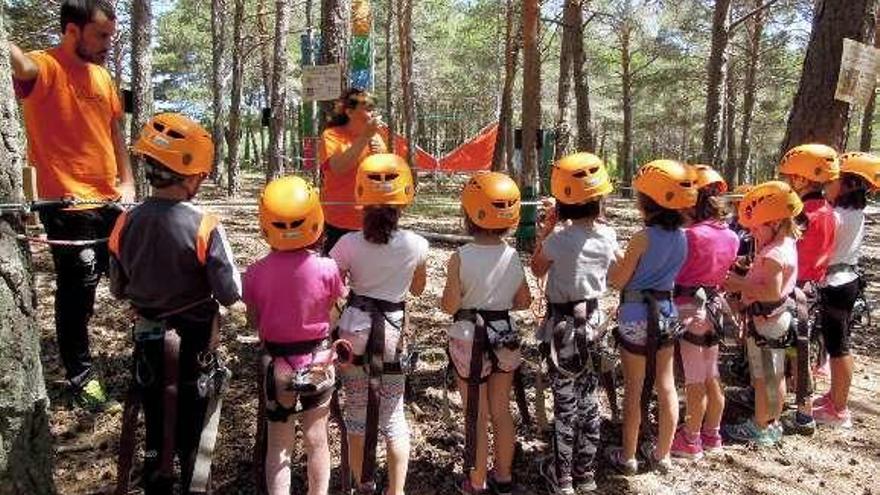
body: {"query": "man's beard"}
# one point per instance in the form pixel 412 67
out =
pixel 95 58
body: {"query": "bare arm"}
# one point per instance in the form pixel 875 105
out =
pixel 523 298
pixel 540 264
pixel 768 290
pixel 622 271
pixel 23 68
pixel 123 166
pixel 419 280
pixel 451 300
pixel 348 159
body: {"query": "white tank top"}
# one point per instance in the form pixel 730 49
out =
pixel 490 277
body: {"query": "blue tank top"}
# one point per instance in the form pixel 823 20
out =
pixel 657 270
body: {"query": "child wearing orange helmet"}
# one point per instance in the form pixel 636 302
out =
pixel 712 249
pixel 648 321
pixel 575 260
pixel 808 168
pixel 383 262
pixel 173 263
pixel 484 282
pixel 859 177
pixel 768 211
pixel 289 294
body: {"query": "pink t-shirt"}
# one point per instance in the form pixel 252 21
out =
pixel 783 252
pixel 292 293
pixel 711 250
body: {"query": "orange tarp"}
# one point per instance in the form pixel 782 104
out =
pixel 474 155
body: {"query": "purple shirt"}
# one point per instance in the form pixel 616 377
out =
pixel 712 250
pixel 292 293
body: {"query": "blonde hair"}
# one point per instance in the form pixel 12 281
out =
pixel 789 228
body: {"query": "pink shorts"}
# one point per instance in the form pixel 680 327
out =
pixel 460 352
pixel 700 363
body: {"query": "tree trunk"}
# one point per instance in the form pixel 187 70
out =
pixel 335 29
pixel 570 20
pixel 625 161
pixel 716 68
pixel 218 82
pixel 816 117
pixel 531 94
pixel 25 442
pixel 265 51
pixel 278 93
pixel 868 117
pixel 730 171
pixel 586 141
pixel 389 78
pixel 141 82
pixel 753 62
pixel 505 114
pixel 405 43
pixel 233 133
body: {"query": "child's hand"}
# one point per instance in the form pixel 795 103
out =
pixel 548 213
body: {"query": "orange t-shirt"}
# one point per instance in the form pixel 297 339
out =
pixel 68 113
pixel 340 187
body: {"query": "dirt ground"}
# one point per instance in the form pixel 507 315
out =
pixel 845 462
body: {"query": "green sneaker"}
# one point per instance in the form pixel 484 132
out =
pixel 91 397
pixel 749 432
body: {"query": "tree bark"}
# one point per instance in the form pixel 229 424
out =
pixel 730 171
pixel 816 117
pixel 233 133
pixel 750 87
pixel 512 43
pixel 867 135
pixel 570 11
pixel 278 93
pixel 625 162
pixel 405 43
pixel 265 51
pixel 25 442
pixel 389 78
pixel 716 68
pixel 218 82
pixel 531 94
pixel 141 82
pixel 586 140
pixel 335 28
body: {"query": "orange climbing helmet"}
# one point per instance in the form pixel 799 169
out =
pixel 814 162
pixel 579 178
pixel 384 179
pixel 290 214
pixel 491 200
pixel 669 183
pixel 865 165
pixel 178 143
pixel 707 176
pixel 769 202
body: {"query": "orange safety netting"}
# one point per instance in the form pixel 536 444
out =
pixel 474 155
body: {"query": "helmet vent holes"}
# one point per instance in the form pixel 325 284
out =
pixel 580 174
pixel 186 158
pixel 390 177
pixel 375 177
pixel 279 225
pixel 594 170
pixel 503 205
pixel 174 134
pixel 670 195
pixel 297 224
pixel 159 127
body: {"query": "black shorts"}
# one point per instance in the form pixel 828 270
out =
pixel 836 307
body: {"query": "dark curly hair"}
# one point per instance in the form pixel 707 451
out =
pixel 589 210
pixel 657 215
pixel 380 223
pixel 709 205
pixel 348 101
pixel 855 196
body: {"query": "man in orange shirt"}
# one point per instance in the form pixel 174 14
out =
pixel 351 136
pixel 72 114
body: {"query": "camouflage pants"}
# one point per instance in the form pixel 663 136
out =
pixel 576 423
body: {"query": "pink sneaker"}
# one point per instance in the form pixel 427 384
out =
pixel 688 448
pixel 711 441
pixel 827 414
pixel 824 370
pixel 824 399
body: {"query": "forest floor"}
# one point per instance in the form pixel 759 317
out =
pixel 834 461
